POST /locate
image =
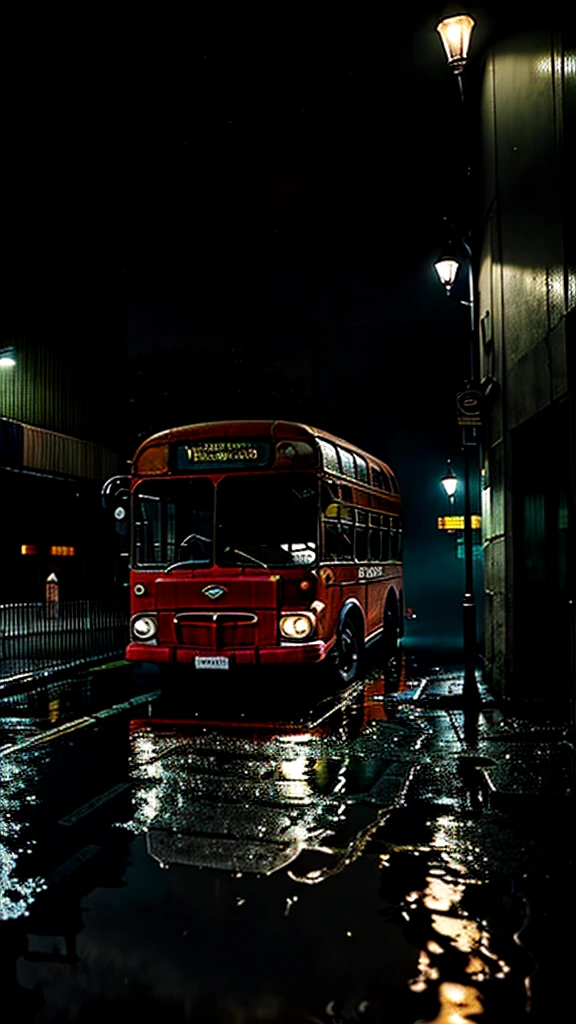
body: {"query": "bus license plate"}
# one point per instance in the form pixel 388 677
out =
pixel 213 662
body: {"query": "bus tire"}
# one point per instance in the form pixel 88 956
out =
pixel 391 650
pixel 348 651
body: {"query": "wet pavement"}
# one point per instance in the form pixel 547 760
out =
pixel 263 851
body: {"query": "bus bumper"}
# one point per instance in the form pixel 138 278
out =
pixel 285 654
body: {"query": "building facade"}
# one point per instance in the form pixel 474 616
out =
pixel 527 335
pixel 60 438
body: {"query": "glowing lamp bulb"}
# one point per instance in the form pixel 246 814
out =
pixel 447 268
pixel 450 482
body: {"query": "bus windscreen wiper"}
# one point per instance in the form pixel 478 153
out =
pixel 189 561
pixel 244 554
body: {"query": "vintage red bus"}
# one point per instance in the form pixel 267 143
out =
pixel 262 542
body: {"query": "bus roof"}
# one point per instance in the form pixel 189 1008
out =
pixel 280 430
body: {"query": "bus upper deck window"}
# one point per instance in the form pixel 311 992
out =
pixel 361 468
pixel 294 453
pixel 329 456
pixel 347 462
pixel 377 479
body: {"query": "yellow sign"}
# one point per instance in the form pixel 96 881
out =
pixel 457 522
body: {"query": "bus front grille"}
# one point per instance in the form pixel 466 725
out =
pixel 219 630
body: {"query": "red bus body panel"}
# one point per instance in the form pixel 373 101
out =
pixel 242 623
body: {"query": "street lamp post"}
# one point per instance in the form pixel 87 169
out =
pixel 450 484
pixel 455 33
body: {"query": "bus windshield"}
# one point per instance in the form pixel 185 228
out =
pixel 269 520
pixel 265 520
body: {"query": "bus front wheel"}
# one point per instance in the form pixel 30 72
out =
pixel 347 654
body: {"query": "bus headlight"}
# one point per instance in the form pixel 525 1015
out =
pixel 144 627
pixel 297 625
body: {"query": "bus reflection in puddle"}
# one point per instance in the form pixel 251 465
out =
pixel 255 796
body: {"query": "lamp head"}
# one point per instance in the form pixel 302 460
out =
pixel 455 33
pixel 7 356
pixel 447 268
pixel 450 481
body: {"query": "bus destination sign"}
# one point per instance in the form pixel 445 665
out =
pixel 222 455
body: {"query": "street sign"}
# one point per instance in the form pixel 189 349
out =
pixel 477 550
pixel 457 522
pixel 469 408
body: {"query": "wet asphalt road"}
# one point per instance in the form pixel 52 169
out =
pixel 263 852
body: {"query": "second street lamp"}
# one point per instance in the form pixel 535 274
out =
pixel 447 268
pixel 468 403
pixel 450 482
pixel 455 33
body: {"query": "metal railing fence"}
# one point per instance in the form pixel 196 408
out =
pixel 37 636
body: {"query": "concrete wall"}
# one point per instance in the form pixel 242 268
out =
pixel 526 289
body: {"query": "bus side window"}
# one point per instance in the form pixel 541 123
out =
pixel 330 522
pixel 374 538
pixel 347 462
pixel 346 533
pixel 394 539
pixel 385 538
pixel 328 495
pixel 377 480
pixel 361 536
pixel 331 539
pixel 361 468
pixel 329 456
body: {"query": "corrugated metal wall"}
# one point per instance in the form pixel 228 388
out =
pixel 40 390
pixel 51 411
pixel 56 387
pixel 26 447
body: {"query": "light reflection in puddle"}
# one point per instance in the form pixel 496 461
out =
pixel 224 799
pixel 445 925
pixel 18 889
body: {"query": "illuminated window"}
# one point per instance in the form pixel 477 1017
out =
pixel 28 549
pixel 61 550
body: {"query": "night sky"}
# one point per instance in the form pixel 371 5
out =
pixel 258 197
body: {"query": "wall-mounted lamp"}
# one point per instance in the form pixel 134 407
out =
pixel 7 357
pixel 455 33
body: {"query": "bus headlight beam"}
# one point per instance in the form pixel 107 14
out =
pixel 297 625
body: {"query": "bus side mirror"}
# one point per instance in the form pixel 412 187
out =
pixel 115 499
